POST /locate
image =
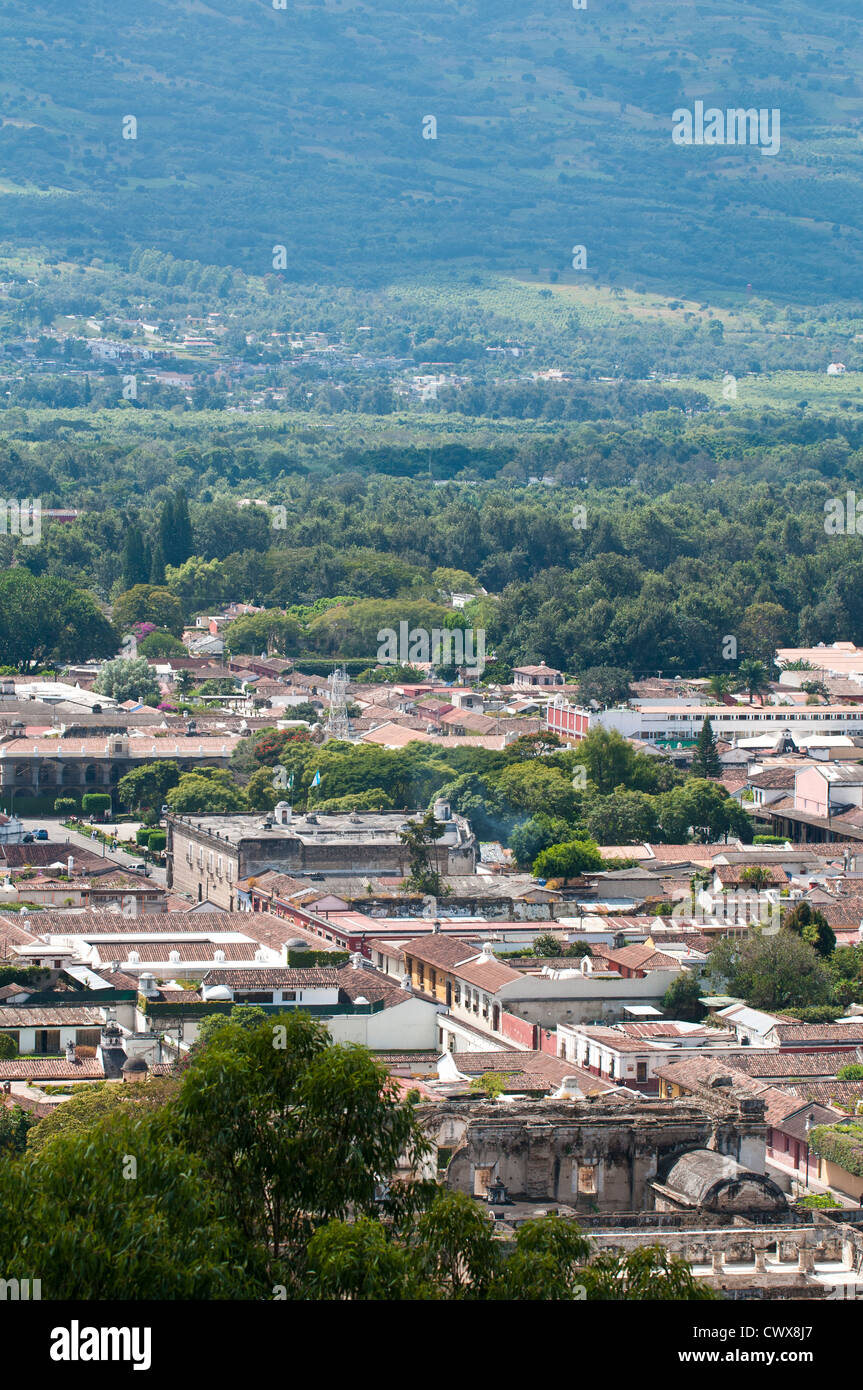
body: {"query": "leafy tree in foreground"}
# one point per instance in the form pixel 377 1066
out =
pixel 95 1227
pixel 451 1254
pixel 295 1131
pixel 15 1125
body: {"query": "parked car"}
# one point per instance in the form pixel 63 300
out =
pixel 41 834
pixel 141 868
pixel 27 839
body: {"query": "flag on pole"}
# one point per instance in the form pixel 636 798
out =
pixel 316 780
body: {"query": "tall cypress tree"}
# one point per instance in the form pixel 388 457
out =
pixel 157 564
pixel 183 539
pixel 705 761
pixel 166 531
pixel 136 561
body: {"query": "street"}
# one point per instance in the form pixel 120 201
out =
pixel 65 839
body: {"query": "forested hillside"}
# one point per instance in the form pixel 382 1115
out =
pixel 303 127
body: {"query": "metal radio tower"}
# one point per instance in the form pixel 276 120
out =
pixel 338 724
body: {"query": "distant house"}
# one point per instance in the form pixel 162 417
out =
pixel 536 675
pixel 836 369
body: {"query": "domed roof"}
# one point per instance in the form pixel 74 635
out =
pixel 136 1064
pixel 218 994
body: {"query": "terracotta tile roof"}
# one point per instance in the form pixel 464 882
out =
pixel 837 1093
pixel 642 958
pixel 41 854
pixel 443 951
pixel 274 977
pixel 682 854
pixel 843 912
pixel 186 950
pixel 697 1072
pixel 21 1016
pixel 775 778
pixel 143 749
pixel 488 974
pixel 783 1062
pixel 7 991
pixel 117 979
pixel 734 873
pixel 826 1033
pixel 51 1069
pixel 525 1071
pixel 372 985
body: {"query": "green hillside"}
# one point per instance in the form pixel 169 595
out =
pixel 303 127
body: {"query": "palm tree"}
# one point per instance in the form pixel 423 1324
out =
pixel 752 676
pixel 720 685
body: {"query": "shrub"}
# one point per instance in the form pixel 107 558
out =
pixel 142 835
pixel 96 803
pixel 8 1047
pixel 852 1071
pixel 65 806
pixel 156 841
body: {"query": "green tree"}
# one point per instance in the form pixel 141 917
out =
pixel 623 818
pixel 419 838
pixel 47 621
pixel 8 1048
pixel 705 760
pixel 608 758
pixel 127 680
pixel 270 631
pixel 96 804
pixel 810 924
pixel 157 564
pixel 161 644
pixel 207 792
pixel 568 860
pixel 136 560
pixel 531 836
pixel 604 685
pixel 197 582
pixel 533 787
pixel 648 1273
pixel 770 971
pixel 491 1084
pixel 72 1206
pixel 547 945
pixel 296 1131
pixel 148 603
pixel 15 1125
pixel 145 787
pixel 752 676
pixel 682 999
